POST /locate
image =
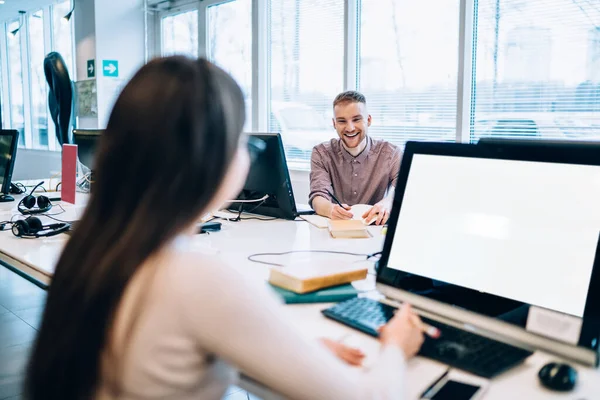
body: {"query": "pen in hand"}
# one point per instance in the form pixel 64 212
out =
pixel 335 199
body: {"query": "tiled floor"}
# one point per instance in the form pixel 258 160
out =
pixel 21 306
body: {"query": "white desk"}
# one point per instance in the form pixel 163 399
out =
pixel 237 240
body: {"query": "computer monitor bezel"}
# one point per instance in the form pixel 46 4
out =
pixel 87 133
pixel 286 205
pixel 14 134
pixel 585 145
pixel 587 348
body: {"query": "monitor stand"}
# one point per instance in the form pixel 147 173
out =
pixel 85 183
pixel 5 198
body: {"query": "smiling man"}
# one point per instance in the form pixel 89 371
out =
pixel 355 168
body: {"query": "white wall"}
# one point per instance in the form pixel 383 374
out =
pixel 103 29
pixel 85 49
pixel 300 185
pixel 119 36
pixel 108 30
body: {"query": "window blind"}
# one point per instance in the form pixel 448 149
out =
pixel 306 72
pixel 179 34
pixel 15 81
pixel 37 81
pixel 536 70
pixel 229 34
pixel 408 68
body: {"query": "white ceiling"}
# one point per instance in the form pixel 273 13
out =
pixel 10 9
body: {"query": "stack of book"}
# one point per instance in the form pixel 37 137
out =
pixel 305 283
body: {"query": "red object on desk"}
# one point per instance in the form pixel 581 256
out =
pixel 69 173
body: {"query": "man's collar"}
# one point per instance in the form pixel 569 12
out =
pixel 359 158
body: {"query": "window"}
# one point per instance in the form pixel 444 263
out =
pixel 306 72
pixel 229 33
pixel 62 34
pixel 62 42
pixel 15 71
pixel 180 34
pixel 536 69
pixel 39 32
pixel 37 80
pixel 3 118
pixel 408 69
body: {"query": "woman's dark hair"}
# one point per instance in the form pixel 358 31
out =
pixel 171 137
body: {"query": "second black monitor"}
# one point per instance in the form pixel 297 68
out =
pixel 268 176
pixel 8 152
pixel 86 141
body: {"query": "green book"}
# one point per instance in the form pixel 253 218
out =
pixel 326 295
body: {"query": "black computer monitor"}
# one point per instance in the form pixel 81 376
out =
pixel 268 176
pixel 8 152
pixel 86 141
pixel 528 142
pixel 513 248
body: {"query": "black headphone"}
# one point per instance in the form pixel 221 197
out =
pixel 32 227
pixel 27 203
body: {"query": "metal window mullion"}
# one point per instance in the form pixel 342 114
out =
pixel 6 116
pixel 48 46
pixel 351 44
pixel 26 75
pixel 180 8
pixel 465 70
pixel 157 34
pixel 153 34
pixel 202 31
pixel 73 46
pixel 260 65
pixel 208 3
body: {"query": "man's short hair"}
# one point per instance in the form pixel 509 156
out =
pixel 350 96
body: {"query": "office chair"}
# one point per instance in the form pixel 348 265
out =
pixel 60 96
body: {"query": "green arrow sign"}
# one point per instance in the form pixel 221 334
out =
pixel 91 68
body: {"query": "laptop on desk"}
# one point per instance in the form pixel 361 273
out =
pixel 496 246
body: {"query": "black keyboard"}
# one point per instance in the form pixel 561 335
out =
pixel 456 347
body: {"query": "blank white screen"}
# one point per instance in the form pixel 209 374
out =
pixel 522 230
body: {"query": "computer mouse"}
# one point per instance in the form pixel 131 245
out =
pixel 558 376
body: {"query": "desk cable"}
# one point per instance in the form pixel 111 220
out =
pixel 240 210
pixel 252 257
pixel 51 216
pixel 261 200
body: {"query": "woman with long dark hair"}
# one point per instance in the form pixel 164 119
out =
pixel 133 312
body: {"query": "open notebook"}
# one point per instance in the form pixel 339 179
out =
pixel 357 210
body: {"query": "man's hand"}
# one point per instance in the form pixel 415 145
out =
pixel 338 212
pixel 347 354
pixel 379 213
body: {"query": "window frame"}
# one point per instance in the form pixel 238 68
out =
pixel 23 52
pixel 177 8
pixel 256 53
pixel 46 26
pixel 6 100
pixel 260 48
pixel 27 73
pixel 49 39
pixel 464 99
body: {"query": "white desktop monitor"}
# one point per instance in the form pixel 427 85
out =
pixel 502 240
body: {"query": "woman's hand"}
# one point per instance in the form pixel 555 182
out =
pixel 405 330
pixel 345 353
